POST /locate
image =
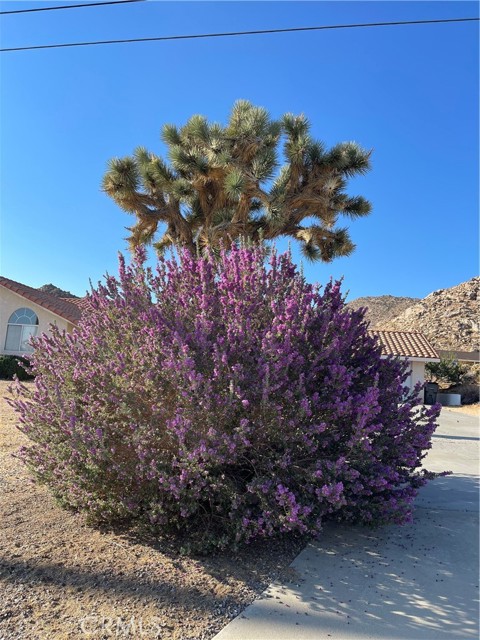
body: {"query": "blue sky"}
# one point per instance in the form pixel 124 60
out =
pixel 410 93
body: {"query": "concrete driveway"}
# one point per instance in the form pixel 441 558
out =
pixel 415 582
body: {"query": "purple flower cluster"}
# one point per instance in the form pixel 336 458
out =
pixel 223 399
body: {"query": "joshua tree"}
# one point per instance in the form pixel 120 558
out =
pixel 224 183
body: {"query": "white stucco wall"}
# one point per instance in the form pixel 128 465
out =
pixel 10 302
pixel 418 372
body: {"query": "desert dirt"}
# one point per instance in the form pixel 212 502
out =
pixel 62 579
pixel 470 409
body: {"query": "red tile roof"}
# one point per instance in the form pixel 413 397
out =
pixel 63 307
pixel 396 343
pixel 80 303
pixel 412 344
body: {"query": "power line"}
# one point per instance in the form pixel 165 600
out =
pixel 238 33
pixel 69 6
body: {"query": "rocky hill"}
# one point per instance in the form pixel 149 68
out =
pixel 56 291
pixel 382 308
pixel 448 317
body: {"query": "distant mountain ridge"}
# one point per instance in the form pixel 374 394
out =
pixel 382 308
pixel 449 318
pixel 56 291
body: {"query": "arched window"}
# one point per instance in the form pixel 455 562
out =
pixel 22 325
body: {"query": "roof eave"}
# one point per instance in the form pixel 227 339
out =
pixel 43 306
pixel 412 358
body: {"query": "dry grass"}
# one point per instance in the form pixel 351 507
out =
pixel 56 571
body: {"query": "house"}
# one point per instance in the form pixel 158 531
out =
pixel 468 357
pixel 409 345
pixel 26 312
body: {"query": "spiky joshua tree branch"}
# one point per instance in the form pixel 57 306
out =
pixel 225 183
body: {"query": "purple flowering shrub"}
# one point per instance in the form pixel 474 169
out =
pixel 223 400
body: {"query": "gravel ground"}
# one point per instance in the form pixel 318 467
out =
pixel 60 578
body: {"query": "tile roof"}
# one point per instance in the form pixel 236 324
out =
pixel 462 356
pixel 63 307
pixel 412 344
pixel 397 343
pixel 80 303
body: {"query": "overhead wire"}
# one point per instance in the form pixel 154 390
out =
pixel 68 6
pixel 227 34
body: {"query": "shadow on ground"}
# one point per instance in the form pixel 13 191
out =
pixel 405 583
pixel 414 582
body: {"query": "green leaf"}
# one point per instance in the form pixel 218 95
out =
pixel 234 183
pixel 355 207
pixel 279 186
pixel 238 115
pixel 170 135
pixel 222 216
pixel 182 160
pixel 350 158
pixel 142 156
pixel 342 244
pixel 310 252
pixel 295 126
pixel 161 171
pixel 296 148
pixel 264 164
pixel 315 152
pixel 181 189
pixel 196 128
pixel 123 174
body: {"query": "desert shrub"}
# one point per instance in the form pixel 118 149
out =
pixel 11 366
pixel 469 391
pixel 447 371
pixel 456 377
pixel 473 373
pixel 223 400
